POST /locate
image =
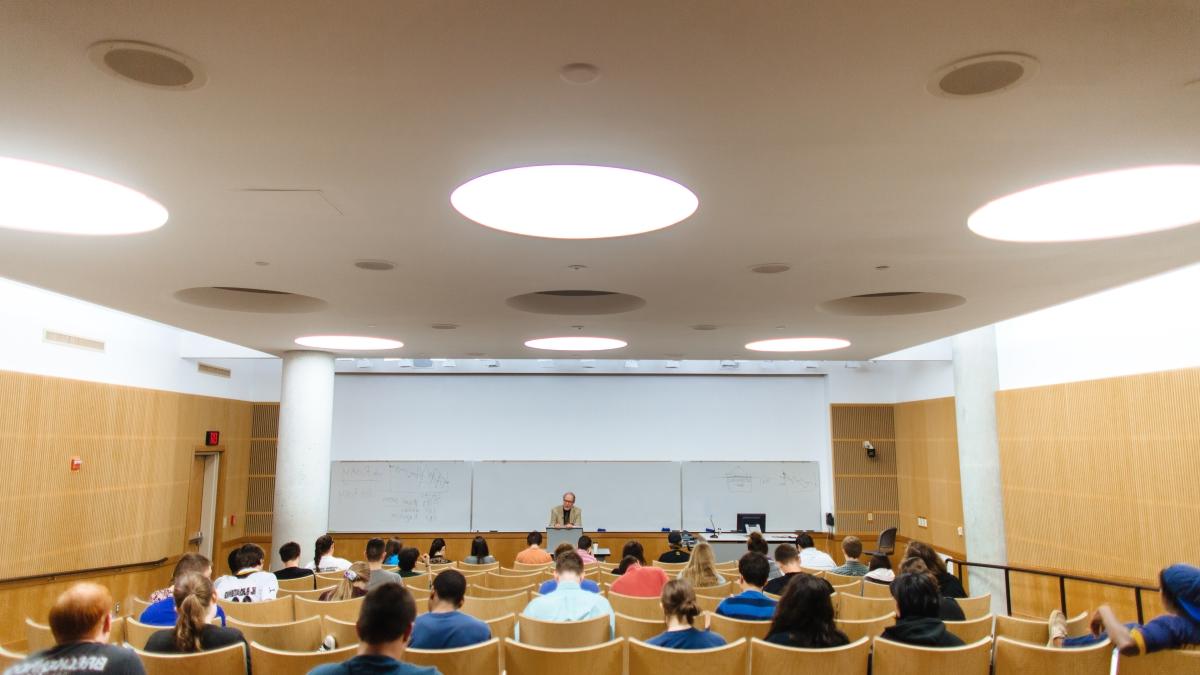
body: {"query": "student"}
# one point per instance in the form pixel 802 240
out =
pixel 162 613
pixel 379 576
pixel 632 549
pixel 437 552
pixel 584 548
pixel 1179 628
pixel 81 620
pixel 354 584
pixel 676 554
pixel 756 543
pixel 289 553
pixel 323 558
pixel 250 583
pixel 479 553
pixel 549 585
pixel 391 556
pixel 917 608
pixel 949 584
pixel 853 567
pixel 680 611
pixel 384 627
pixel 639 580
pixel 880 571
pixel 750 604
pixel 192 632
pixel 948 609
pixel 810 557
pixel 788 559
pixel 569 602
pixel 445 627
pixel 408 562
pixel 701 571
pixel 534 555
pixel 804 617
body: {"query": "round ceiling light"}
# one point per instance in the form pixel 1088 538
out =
pixel 1097 206
pixel 43 198
pixel 799 344
pixel 348 343
pixel 576 344
pixel 574 201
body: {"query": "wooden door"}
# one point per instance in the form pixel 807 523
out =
pixel 195 508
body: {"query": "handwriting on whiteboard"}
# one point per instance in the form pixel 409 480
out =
pixel 741 480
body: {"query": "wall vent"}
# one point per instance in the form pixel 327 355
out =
pixel 72 340
pixel 215 371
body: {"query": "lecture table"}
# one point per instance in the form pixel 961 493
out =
pixel 729 546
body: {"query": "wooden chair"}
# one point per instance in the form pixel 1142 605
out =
pixel 564 634
pixel 8 658
pixel 857 608
pixel 848 660
pixel 471 574
pixel 117 635
pixel 853 588
pixel 138 633
pixel 735 629
pixel 346 610
pixel 870 589
pixel 296 636
pixel 640 629
pixel 511 572
pixel 279 610
pixel 328 578
pixel 276 662
pixel 307 583
pixel 893 658
pixel 975 607
pixel 37 636
pixel 605 579
pixel 841 579
pixel 869 628
pixel 1036 632
pixel 607 566
pixel 718 591
pixel 482 658
pixel 708 603
pixel 344 633
pixel 521 567
pixel 641 608
pixel 307 595
pixel 1022 658
pixel 647 659
pixel 1170 662
pixel 491 608
pixel 502 626
pixel 231 659
pixel 525 659
pixel 469 567
pixel 419 593
pixel 809 570
pixel 971 630
pixel 485 592
pixel 671 569
pixel 508 582
pixel 137 606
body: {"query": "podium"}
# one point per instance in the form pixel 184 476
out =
pixel 558 535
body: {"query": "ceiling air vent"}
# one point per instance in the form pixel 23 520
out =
pixel 72 340
pixel 215 371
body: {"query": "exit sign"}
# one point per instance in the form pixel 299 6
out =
pixel 212 438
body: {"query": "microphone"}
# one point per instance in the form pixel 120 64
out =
pixel 716 530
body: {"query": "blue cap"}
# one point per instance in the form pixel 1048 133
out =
pixel 1183 581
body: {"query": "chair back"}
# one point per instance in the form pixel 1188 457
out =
pixel 37 636
pixel 328 578
pixel 8 658
pixel 511 572
pixel 116 635
pixel 870 589
pixel 670 568
pixel 502 626
pixel 231 659
pixel 1169 662
pixel 640 629
pixel 470 567
pixel 1022 658
pixel 307 594
pixel 138 633
pixel 419 593
pixel 508 581
pixel 869 628
pixel 887 542
pixel 491 608
pixel 852 588
pixel 478 658
pixel 603 659
pixel 647 659
pixel 346 610
pixel 275 661
pixel 279 610
pixel 708 603
pixel 719 591
pixel 137 606
pixel 841 579
pixel 820 574
pixel 850 659
pixel 564 634
pixel 295 636
pixel 735 629
pixel 345 633
pixel 299 584
pixel 532 567
pixel 486 592
pixel 894 658
pixel 642 608
pixel 975 607
pixel 857 608
pixel 971 630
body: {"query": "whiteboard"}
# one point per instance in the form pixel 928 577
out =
pixel 788 492
pixel 400 497
pixel 616 496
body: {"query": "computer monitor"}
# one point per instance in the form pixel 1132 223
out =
pixel 745 520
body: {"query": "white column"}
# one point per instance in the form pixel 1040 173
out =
pixel 302 458
pixel 976 378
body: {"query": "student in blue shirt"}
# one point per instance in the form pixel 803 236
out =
pixel 391 552
pixel 680 610
pixel 444 627
pixel 384 627
pixel 549 585
pixel 569 602
pixel 162 613
pixel 751 604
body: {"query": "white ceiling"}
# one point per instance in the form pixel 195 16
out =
pixel 804 128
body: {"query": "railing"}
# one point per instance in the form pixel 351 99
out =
pixel 1062 583
pixel 50 576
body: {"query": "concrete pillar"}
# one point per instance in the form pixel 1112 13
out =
pixel 976 378
pixel 302 458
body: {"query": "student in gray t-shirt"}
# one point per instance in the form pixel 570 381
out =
pixel 379 576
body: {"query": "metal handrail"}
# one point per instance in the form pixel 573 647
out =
pixel 50 576
pixel 1062 583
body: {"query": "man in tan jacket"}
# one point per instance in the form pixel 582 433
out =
pixel 567 515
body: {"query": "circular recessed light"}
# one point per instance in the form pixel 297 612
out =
pixel 576 344
pixel 800 344
pixel 375 265
pixel 1097 206
pixel 574 201
pixel 355 343
pixel 43 198
pixel 770 268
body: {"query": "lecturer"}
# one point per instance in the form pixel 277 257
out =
pixel 567 515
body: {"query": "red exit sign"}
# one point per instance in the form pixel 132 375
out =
pixel 212 438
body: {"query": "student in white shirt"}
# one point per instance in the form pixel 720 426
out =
pixel 810 557
pixel 250 583
pixel 323 558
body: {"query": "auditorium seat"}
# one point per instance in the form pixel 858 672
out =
pixel 308 594
pixel 1170 662
pixel 264 660
pixel 971 630
pixel 871 589
pixel 506 581
pixel 638 607
pixel 870 628
pixel 137 633
pixel 772 659
pixel 37 636
pixel 419 593
pixel 708 603
pixel 468 567
pixel 734 629
pixel 976 606
pixel 303 635
pixel 647 659
pixel 672 569
pixel 641 629
pixel 893 658
pixel 1037 632
pixel 720 590
pixel 8 658
pixel 603 659
pixel 490 608
pixel 512 572
pixel 300 584
pixel 1021 658
pixel 563 634
pixel 604 578
pixel 137 606
pixel 809 570
pixel 482 658
pixel 532 567
pixel 328 578
pixel 345 633
pixel 852 588
pixel 487 592
pixel 841 579
pixel 346 610
pixel 502 626
pixel 857 608
pixel 226 660
pixel 279 610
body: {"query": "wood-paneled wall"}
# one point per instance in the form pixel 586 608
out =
pixel 260 491
pixel 865 491
pixel 927 473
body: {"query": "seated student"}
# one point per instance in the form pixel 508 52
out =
pixel 195 606
pixel 756 543
pixel 810 557
pixel 805 616
pixel 408 562
pixel 384 627
pixel 676 554
pixel 1179 628
pixel 437 552
pixel 569 602
pixel 479 553
pixel 162 613
pixel 631 549
pixel 750 604
pixel 250 583
pixel 549 585
pixel 379 576
pixel 232 561
pixel 445 627
pixel 391 555
pixel 680 611
pixel 853 567
pixel 917 608
pixel 354 584
pixel 81 620
pixel 534 555
pixel 323 558
pixel 289 553
pixel 880 570
pixel 639 580
pixel 948 609
pixel 701 570
pixel 949 584
pixel 788 559
pixel 584 548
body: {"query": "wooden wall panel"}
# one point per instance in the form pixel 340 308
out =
pixel 927 474
pixel 865 493
pixel 260 492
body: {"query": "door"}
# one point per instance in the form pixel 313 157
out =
pixel 202 504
